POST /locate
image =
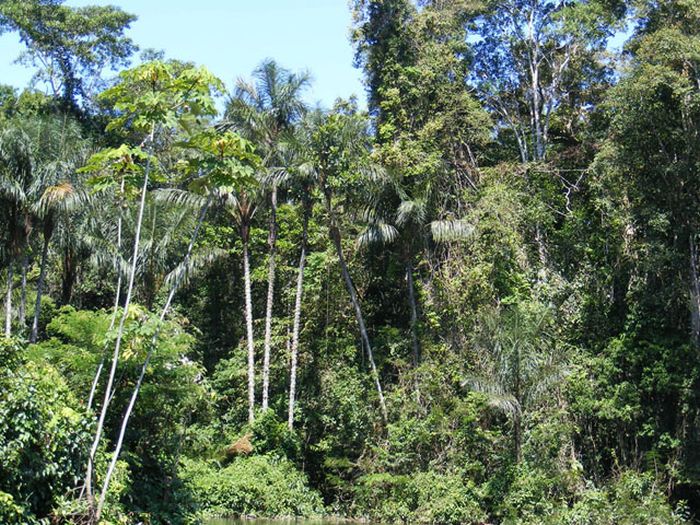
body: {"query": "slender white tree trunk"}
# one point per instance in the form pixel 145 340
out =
pixel 120 334
pixel 8 301
pixel 117 295
pixel 335 237
pixel 272 241
pixel 144 367
pixel 297 323
pixel 249 331
pixel 23 296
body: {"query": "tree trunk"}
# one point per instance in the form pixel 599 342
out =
pixel 117 346
pixel 517 438
pixel 68 277
pixel 335 237
pixel 117 294
pixel 249 328
pixel 144 367
pixel 694 292
pixel 272 241
pixel 23 296
pixel 40 288
pixel 297 319
pixel 414 313
pixel 8 302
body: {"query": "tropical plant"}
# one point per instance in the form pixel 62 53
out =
pixel 265 113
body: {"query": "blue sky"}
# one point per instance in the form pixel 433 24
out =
pixel 231 37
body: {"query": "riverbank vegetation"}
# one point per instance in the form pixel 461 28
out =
pixel 476 302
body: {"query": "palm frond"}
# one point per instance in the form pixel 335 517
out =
pixel 377 233
pixel 411 211
pixel 63 197
pixel 496 395
pixel 179 197
pixel 275 176
pixel 451 230
pixel 198 261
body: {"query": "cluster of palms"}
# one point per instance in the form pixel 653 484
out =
pixel 303 151
pixel 53 182
pixel 39 157
pixel 309 153
pixel 269 146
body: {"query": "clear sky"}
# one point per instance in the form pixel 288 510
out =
pixel 231 37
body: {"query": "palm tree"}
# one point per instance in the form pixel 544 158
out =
pixel 16 186
pixel 304 184
pixel 520 361
pixel 409 220
pixel 38 158
pixel 337 145
pixel 264 112
pixel 63 152
pixel 242 205
pixel 56 201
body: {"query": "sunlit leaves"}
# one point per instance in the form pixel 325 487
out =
pixel 110 165
pixel 160 94
pixel 451 230
pixel 220 160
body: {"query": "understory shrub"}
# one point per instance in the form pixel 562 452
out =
pixel 259 485
pixel 421 497
pixel 632 499
pixel 44 434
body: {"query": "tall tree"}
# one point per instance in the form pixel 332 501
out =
pixel 533 56
pixel 264 112
pixel 242 205
pixel 222 160
pixel 337 147
pixel 428 125
pixel 70 45
pixel 154 99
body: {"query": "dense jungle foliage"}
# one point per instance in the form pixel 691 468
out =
pixel 476 302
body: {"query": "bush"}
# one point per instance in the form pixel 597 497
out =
pixel 632 499
pixel 10 512
pixel 422 497
pixel 270 435
pixel 43 438
pixel 256 485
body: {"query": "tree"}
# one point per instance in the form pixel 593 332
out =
pixel 70 45
pixel 62 149
pixel 233 165
pixel 428 126
pixel 242 205
pixel 520 361
pixel 155 98
pixel 303 183
pixel 265 112
pixel 16 186
pixel 337 154
pixel 533 54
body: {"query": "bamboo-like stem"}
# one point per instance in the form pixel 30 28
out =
pixel 144 367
